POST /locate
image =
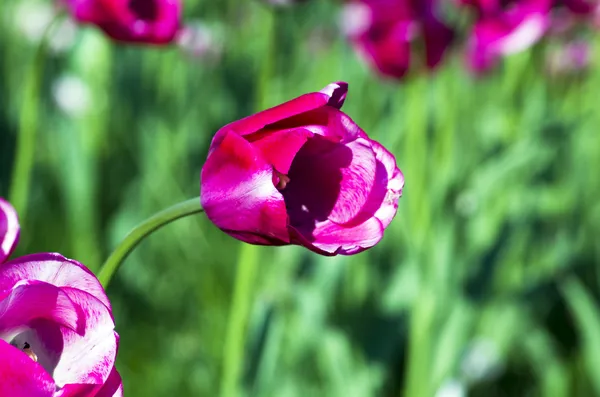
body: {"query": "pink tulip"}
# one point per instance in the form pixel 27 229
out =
pixel 301 173
pixel 505 28
pixel 384 33
pixel 141 21
pixel 57 335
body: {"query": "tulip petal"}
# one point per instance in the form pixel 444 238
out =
pixel 38 300
pixel 86 357
pixel 315 183
pixel 238 194
pixel 325 121
pixel 337 93
pixel 20 376
pixel 333 238
pixel 280 147
pixel 53 269
pixel 113 387
pixel 333 95
pixel 9 230
pixel 394 183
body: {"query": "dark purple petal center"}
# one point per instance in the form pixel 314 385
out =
pixel 315 179
pixel 146 10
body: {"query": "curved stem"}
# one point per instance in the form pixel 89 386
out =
pixel 143 230
pixel 28 125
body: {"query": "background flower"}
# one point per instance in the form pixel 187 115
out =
pixel 384 32
pixel 142 21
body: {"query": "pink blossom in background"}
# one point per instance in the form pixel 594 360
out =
pixel 571 58
pixel 505 28
pixel 301 173
pixel 384 33
pixel 57 335
pixel 137 21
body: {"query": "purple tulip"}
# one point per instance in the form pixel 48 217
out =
pixel 138 21
pixel 384 32
pixel 301 173
pixel 505 28
pixel 57 335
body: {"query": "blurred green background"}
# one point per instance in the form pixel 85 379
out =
pixel 486 283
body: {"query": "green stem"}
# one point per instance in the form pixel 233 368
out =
pixel 235 339
pixel 28 125
pixel 143 230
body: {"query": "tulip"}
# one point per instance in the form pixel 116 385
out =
pixel 505 28
pixel 301 173
pixel 57 335
pixel 138 21
pixel 384 31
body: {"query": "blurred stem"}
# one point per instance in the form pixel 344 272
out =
pixel 28 125
pixel 235 339
pixel 143 230
pixel 422 314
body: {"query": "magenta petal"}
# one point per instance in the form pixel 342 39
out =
pixel 333 95
pixel 357 180
pixel 38 300
pixel 238 194
pixel 337 93
pixel 331 237
pixel 53 269
pixel 280 147
pixel 326 121
pixel 20 376
pixel 88 356
pixel 9 230
pixel 113 387
pixel 394 183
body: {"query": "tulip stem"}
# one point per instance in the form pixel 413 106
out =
pixel 235 339
pixel 28 126
pixel 143 230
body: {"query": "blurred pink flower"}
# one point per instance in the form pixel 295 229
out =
pixel 140 21
pixel 384 31
pixel 573 57
pixel 301 173
pixel 505 28
pixel 57 335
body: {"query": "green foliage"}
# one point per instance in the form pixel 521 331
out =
pixel 488 277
